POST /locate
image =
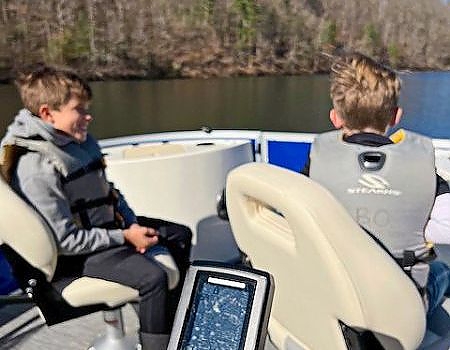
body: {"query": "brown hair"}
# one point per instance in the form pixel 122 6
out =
pixel 364 92
pixel 50 85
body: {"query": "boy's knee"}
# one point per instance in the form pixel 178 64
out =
pixel 153 281
pixel 439 267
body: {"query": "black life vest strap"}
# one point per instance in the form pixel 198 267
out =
pixel 83 205
pixel 82 212
pixel 410 259
pixel 111 225
pixel 94 165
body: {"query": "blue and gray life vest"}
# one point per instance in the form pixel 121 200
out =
pixel 389 190
pixel 81 167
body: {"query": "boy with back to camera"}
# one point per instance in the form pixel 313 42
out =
pixel 389 185
pixel 49 158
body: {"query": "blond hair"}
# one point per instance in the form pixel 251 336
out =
pixel 52 86
pixel 364 93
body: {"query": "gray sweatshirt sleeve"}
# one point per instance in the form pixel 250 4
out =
pixel 40 184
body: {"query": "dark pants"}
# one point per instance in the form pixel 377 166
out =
pixel 125 266
pixel 177 238
pixel 438 286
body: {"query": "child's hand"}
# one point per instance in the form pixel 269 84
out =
pixel 141 237
pixel 151 232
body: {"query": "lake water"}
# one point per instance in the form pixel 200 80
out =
pixel 286 103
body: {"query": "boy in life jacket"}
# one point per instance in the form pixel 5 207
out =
pixel 51 160
pixel 389 185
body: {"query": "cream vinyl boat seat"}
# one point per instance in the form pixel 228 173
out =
pixel 335 287
pixel 29 246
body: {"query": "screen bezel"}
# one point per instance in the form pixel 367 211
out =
pixel 201 279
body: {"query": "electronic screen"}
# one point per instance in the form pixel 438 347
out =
pixel 222 308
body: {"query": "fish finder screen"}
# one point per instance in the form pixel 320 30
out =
pixel 219 314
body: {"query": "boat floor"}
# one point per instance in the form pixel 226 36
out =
pixel 28 331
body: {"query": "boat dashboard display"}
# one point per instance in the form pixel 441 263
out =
pixel 222 308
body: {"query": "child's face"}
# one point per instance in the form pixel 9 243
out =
pixel 72 118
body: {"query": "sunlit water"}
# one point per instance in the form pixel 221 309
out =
pixel 287 103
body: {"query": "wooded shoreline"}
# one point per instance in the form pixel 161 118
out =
pixel 225 72
pixel 162 39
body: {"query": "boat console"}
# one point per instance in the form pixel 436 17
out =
pixel 181 181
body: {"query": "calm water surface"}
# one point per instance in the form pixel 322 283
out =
pixel 293 103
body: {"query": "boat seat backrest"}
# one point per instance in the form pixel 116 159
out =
pixel 141 151
pixel 23 229
pixel 326 269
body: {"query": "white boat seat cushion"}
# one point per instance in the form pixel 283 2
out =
pixel 88 291
pixel 326 268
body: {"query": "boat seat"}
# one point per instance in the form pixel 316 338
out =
pixel 165 149
pixel 335 287
pixel 29 246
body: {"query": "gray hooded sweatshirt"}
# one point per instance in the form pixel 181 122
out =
pixel 39 179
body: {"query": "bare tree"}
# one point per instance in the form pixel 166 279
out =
pixel 145 38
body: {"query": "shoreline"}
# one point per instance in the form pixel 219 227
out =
pixel 190 72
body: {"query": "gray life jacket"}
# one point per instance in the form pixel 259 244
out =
pixel 81 166
pixel 389 190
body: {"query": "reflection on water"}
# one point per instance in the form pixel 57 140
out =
pixel 10 102
pixel 271 103
pixel 289 103
pixel 425 100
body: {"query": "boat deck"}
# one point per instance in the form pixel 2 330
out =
pixel 28 331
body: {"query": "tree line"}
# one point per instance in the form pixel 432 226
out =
pixel 204 38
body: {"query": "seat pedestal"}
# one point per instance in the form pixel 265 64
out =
pixel 114 337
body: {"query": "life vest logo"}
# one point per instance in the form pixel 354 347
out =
pixel 374 184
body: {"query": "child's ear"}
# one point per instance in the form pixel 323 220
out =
pixel 336 120
pixel 44 113
pixel 397 116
